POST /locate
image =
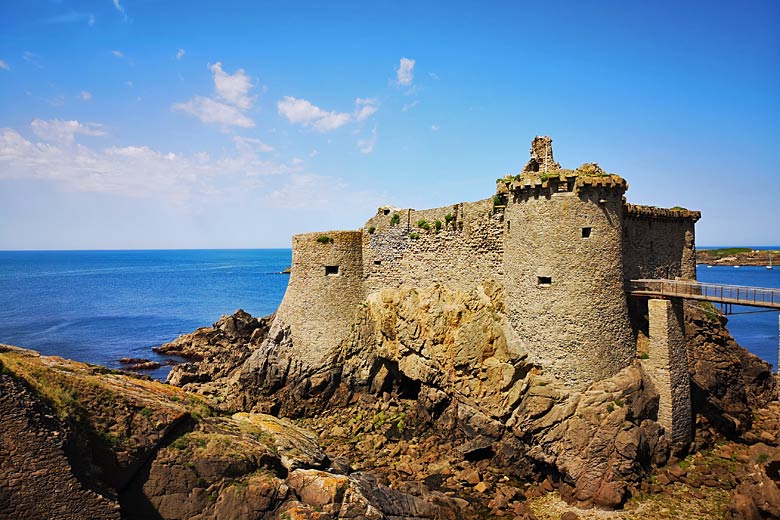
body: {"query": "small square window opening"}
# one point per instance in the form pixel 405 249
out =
pixel 544 281
pixel 586 232
pixel 331 270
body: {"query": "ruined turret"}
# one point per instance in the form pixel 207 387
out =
pixel 563 265
pixel 541 156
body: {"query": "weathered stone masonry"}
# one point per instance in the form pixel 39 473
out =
pixel 561 243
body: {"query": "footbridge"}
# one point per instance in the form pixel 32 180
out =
pixel 717 293
pixel 664 357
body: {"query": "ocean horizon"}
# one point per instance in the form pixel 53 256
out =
pixel 98 306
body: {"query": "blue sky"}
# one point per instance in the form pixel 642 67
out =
pixel 155 124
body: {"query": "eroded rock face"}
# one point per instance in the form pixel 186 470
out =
pixel 36 478
pixel 727 381
pixel 432 362
pixel 439 338
pixel 602 441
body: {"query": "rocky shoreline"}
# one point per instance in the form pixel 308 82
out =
pixel 737 257
pixel 238 433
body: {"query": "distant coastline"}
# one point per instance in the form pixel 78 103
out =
pixel 734 256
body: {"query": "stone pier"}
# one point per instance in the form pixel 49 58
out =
pixel 667 365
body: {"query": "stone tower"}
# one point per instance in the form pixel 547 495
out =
pixel 563 267
pixel 541 156
pixel 324 291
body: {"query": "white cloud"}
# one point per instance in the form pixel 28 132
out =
pixel 300 111
pixel 63 132
pixel 304 112
pixel 69 17
pixel 129 83
pixel 434 76
pixel 251 144
pixel 32 59
pixel 120 8
pixel 435 128
pixel 85 95
pixel 303 191
pixel 313 153
pixel 127 170
pixel 4 65
pixel 296 161
pixel 364 108
pixel 229 104
pixel 180 54
pixel 118 54
pixel 409 106
pixel 214 112
pixel 232 88
pixel 55 101
pixel 405 72
pixel 366 146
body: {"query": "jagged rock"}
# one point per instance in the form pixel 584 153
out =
pixel 160 453
pixel 318 488
pixel 242 460
pixel 215 352
pixel 600 440
pixel 727 381
pixel 117 420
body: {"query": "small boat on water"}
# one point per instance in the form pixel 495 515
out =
pixel 709 267
pixel 770 262
pixel 737 266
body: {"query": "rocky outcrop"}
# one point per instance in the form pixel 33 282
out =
pixel 456 355
pixel 215 352
pixel 36 477
pixel 727 381
pixel 737 256
pixel 79 441
pixel 602 442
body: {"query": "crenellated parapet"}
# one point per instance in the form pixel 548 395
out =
pixel 638 211
pixel 587 178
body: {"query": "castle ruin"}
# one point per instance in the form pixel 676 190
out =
pixel 561 242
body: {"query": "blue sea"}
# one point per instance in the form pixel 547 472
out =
pixel 753 327
pixel 100 306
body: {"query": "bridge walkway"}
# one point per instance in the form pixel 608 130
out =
pixel 712 292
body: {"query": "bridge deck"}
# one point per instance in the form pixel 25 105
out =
pixel 734 294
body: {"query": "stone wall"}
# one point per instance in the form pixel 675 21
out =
pixel 325 289
pixel 564 275
pixel 659 243
pixel 462 254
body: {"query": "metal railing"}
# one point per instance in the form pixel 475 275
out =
pixel 736 294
